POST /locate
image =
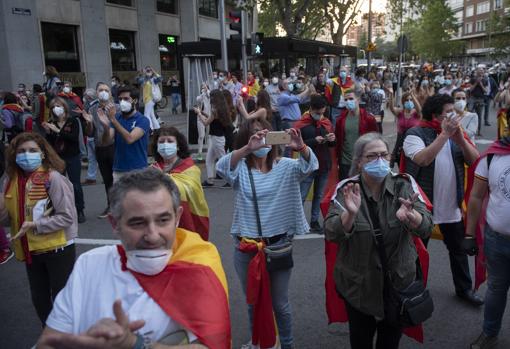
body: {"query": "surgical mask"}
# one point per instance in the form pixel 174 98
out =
pixel 167 150
pixel 292 75
pixel 103 95
pixel 350 104
pixel 66 89
pixel 274 81
pixel 29 162
pixel 460 105
pixel 260 153
pixel 148 262
pixel 343 75
pixel 125 106
pixel 58 111
pixel 299 86
pixel 114 83
pixel 215 77
pixel 266 83
pixel 284 76
pixel 377 169
pixel 291 87
pixel 425 83
pixel 408 105
pixel 221 78
pixel 316 116
pixel 448 82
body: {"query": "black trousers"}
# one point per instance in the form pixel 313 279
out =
pixel 453 235
pixel 362 329
pixel 47 275
pixel 73 170
pixel 104 157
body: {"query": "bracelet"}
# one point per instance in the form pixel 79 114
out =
pixel 300 150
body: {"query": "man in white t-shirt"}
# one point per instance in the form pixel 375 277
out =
pixel 492 179
pixel 163 286
pixel 436 152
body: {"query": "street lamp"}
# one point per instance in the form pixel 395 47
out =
pixel 369 56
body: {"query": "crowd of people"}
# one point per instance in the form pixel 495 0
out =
pixel 380 205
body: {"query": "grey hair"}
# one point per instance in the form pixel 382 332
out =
pixel 359 149
pixel 147 180
pixel 90 92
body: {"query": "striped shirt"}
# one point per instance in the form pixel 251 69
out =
pixel 278 195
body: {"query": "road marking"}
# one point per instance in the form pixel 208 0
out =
pixel 483 141
pixel 97 242
pixel 308 236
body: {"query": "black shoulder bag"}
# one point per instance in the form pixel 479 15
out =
pixel 279 254
pixel 403 308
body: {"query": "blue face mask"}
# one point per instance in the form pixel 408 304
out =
pixel 343 75
pixel 260 153
pixel 291 87
pixel 409 105
pixel 167 150
pixel 377 169
pixel 350 104
pixel 29 162
pixel 447 82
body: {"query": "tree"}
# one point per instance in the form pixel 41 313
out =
pixel 339 16
pixel 497 32
pixel 399 10
pixel 431 34
pixel 289 14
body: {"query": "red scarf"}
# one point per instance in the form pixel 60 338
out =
pixel 258 294
pixel 501 147
pixel 307 120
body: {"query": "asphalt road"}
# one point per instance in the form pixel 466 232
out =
pixel 453 325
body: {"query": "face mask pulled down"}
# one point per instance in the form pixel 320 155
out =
pixel 148 262
pixel 377 169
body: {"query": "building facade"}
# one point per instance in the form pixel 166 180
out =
pixel 356 32
pixel 91 40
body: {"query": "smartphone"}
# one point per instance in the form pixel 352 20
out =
pixel 277 137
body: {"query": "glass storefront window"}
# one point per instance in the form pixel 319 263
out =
pixel 168 51
pixel 60 46
pixel 208 8
pixel 122 50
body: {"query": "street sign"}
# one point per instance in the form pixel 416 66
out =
pixel 403 43
pixel 371 47
pixel 170 39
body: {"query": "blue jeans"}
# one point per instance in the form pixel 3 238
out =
pixel 279 293
pixel 91 156
pixel 319 180
pixel 176 101
pixel 497 252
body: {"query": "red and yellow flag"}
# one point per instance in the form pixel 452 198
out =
pixel 195 214
pixel 192 289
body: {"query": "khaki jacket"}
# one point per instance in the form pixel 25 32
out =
pixel 358 274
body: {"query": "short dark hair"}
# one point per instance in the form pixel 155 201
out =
pixel 133 92
pixel 317 101
pixel 182 143
pixel 10 98
pixel 457 90
pixel 147 180
pixel 433 105
pixel 37 88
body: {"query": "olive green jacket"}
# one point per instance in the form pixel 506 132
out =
pixel 358 274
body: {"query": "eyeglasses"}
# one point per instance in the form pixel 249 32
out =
pixel 374 156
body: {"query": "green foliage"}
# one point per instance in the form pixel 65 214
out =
pixel 498 33
pixel 431 33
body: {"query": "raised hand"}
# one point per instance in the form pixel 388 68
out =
pixel 406 213
pixel 352 197
pixel 257 141
pixel 296 141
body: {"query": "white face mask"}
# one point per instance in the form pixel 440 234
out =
pixel 148 262
pixel 274 81
pixel 167 150
pixel 66 89
pixel 103 95
pixel 125 106
pixel 460 105
pixel 266 83
pixel 58 111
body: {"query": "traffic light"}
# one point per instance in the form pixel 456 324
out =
pixel 236 23
pixel 257 44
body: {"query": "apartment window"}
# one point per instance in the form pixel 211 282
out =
pixel 498 4
pixel 167 6
pixel 121 2
pixel 60 46
pixel 469 27
pixel 168 51
pixel 481 26
pixel 469 10
pixel 208 8
pixel 122 50
pixel 483 7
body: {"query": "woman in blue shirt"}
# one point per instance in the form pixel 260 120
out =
pixel 277 186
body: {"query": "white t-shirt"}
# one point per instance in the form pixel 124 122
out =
pixel 96 282
pixel 498 176
pixel 446 209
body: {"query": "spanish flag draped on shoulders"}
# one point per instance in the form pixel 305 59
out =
pixel 195 214
pixel 335 306
pixel 499 147
pixel 336 89
pixel 192 289
pixel 502 118
pixel 22 195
